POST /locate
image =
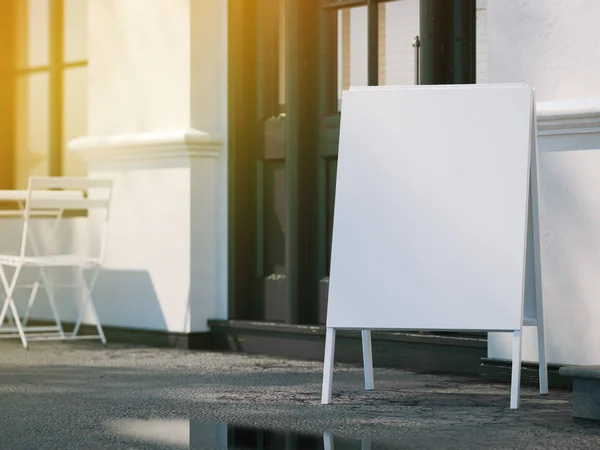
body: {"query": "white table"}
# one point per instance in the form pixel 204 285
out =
pixel 13 196
pixel 8 195
pixel 19 197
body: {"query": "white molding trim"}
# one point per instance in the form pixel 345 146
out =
pixel 147 146
pixel 569 117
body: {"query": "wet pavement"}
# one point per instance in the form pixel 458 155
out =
pixel 85 396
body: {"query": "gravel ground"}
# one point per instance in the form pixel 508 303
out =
pixel 86 396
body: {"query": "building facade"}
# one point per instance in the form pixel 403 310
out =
pixel 218 122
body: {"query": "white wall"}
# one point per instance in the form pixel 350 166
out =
pixel 210 114
pixel 139 65
pixel 569 143
pixel 553 46
pixel 157 126
pixel 481 42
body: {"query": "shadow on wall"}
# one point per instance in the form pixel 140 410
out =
pixel 571 247
pixel 571 254
pixel 122 297
pixel 127 297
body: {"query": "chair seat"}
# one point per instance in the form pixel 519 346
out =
pixel 49 261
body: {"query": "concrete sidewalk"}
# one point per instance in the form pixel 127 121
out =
pixel 85 396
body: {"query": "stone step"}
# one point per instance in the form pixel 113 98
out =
pixel 586 390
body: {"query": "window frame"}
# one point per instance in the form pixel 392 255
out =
pixel 10 72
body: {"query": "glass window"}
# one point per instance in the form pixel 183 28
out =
pixel 38 70
pixel 352 48
pixel 282 38
pixel 32 127
pixel 401 25
pixel 74 118
pixel 75 30
pixel 398 25
pixel 33 33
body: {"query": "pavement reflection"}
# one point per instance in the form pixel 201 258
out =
pixel 225 436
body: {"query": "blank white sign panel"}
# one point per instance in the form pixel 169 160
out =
pixel 431 209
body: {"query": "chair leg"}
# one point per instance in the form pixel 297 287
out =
pixel 45 280
pixel 32 297
pixel 18 322
pixel 5 285
pixel 88 302
pixel 4 310
pixel 9 288
pixel 52 301
pixel 9 319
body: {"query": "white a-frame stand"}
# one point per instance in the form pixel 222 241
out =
pixel 531 305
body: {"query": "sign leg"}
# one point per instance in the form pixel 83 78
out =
pixel 515 383
pixel 537 251
pixel 366 443
pixel 543 362
pixel 327 440
pixel 328 366
pixel 367 359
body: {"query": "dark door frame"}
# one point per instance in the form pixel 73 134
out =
pixel 246 146
pixel 309 135
pixel 242 134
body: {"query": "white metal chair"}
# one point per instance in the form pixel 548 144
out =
pixel 50 197
pixel 18 199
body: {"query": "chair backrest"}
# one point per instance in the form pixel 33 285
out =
pixel 52 196
pixel 41 197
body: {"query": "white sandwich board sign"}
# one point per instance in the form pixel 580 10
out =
pixel 436 221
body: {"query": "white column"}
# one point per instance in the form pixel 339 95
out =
pixel 553 47
pixel 569 146
pixel 157 120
